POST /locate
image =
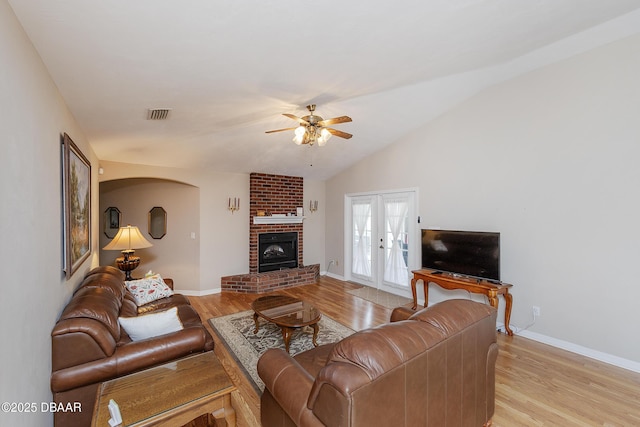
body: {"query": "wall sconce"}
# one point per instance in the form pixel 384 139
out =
pixel 313 205
pixel 234 204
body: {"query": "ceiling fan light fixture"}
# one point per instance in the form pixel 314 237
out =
pixel 299 135
pixel 324 137
pixel 313 129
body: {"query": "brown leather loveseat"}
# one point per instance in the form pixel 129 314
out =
pixel 89 346
pixel 437 369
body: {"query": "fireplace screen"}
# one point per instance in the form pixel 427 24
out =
pixel 277 251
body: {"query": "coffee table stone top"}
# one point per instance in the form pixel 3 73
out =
pixel 288 313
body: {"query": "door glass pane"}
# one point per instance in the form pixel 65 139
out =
pixel 396 238
pixel 361 238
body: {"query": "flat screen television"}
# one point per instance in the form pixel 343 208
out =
pixel 468 253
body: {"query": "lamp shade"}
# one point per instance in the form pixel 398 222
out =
pixel 128 238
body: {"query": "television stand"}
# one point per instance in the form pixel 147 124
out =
pixel 490 289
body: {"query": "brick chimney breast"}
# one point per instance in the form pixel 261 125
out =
pixel 274 194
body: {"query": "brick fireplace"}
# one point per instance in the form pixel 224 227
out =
pixel 278 196
pixel 273 194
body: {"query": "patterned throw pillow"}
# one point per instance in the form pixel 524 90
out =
pixel 148 289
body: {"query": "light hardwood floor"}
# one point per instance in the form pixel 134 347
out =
pixel 536 385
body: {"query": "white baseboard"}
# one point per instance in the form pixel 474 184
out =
pixel 199 293
pixel 554 342
pixel 334 276
pixel 583 351
pixel 569 346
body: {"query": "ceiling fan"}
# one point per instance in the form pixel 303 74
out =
pixel 314 128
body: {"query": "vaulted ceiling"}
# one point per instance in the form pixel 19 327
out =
pixel 229 69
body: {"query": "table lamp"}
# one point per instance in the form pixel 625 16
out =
pixel 128 240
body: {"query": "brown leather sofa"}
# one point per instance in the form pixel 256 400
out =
pixel 437 369
pixel 89 347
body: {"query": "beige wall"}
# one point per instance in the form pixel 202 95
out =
pixel 313 225
pixel 224 237
pixel 218 226
pixel 33 115
pixel 549 159
pixel 177 253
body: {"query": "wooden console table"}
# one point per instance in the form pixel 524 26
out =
pixel 476 286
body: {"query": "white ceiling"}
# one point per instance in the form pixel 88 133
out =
pixel 229 69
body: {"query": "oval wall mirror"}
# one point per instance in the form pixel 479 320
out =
pixel 157 222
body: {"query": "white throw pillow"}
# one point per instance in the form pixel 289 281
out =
pixel 148 289
pixel 151 325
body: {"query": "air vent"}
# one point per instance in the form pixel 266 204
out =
pixel 158 113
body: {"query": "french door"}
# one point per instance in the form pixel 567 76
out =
pixel 381 236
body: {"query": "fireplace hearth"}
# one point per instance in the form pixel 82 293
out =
pixel 277 251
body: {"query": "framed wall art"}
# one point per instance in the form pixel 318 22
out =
pixel 77 206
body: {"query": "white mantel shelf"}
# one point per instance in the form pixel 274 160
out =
pixel 278 219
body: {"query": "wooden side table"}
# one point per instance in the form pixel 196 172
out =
pixel 172 394
pixel 476 286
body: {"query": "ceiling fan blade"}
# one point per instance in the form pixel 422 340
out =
pixel 339 133
pixel 279 130
pixel 335 120
pixel 298 119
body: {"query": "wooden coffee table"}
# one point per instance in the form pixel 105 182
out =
pixel 172 394
pixel 288 313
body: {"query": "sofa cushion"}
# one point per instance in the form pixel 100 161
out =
pixel 107 269
pixel 97 304
pixel 380 349
pixel 104 280
pixel 452 316
pixel 315 359
pixel 151 325
pixel 174 300
pixel 129 306
pixel 148 289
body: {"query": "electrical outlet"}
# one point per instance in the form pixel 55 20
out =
pixel 536 311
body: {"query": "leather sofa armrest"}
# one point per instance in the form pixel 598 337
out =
pixel 401 313
pixel 288 383
pixel 130 358
pixel 142 354
pixel 168 282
